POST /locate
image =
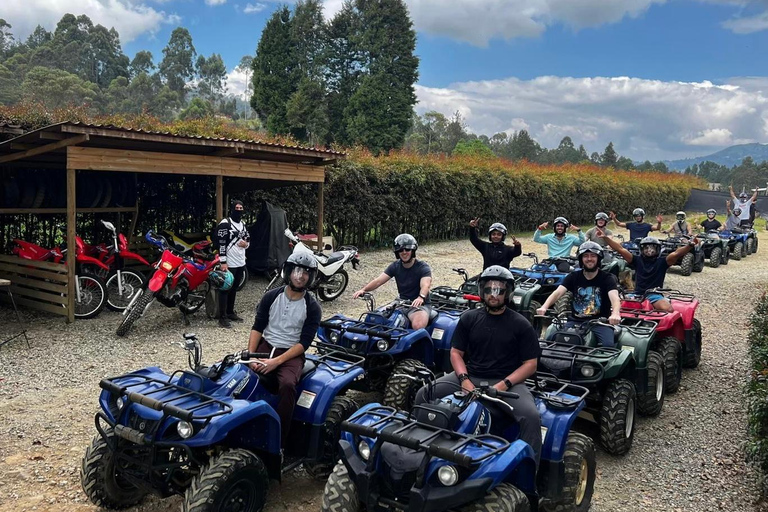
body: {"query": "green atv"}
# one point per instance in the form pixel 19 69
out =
pixel 522 299
pixel 621 380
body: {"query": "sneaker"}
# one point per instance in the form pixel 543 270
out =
pixel 234 317
pixel 225 323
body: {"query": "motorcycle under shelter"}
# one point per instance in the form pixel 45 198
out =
pixel 71 168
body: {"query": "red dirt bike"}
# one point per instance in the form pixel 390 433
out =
pixel 122 284
pixel 90 290
pixel 678 333
pixel 178 281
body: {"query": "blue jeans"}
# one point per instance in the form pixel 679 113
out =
pixel 603 333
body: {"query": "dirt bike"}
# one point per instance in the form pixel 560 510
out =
pixel 178 281
pixel 332 279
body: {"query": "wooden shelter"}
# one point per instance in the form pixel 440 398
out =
pixel 70 147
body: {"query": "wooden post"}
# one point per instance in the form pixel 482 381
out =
pixel 320 216
pixel 71 242
pixel 135 217
pixel 219 198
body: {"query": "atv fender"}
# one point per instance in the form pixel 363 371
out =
pixel 442 329
pixel 557 423
pixel 417 345
pixel 516 465
pixel 106 399
pixel 316 392
pixel 687 310
pixel 251 425
pixel 624 365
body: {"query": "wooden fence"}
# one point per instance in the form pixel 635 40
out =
pixel 36 284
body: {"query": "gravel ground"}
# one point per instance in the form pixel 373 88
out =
pixel 688 458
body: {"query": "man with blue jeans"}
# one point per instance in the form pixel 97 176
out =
pixel 559 244
pixel 595 294
pixel 650 269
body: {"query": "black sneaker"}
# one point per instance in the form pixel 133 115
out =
pixel 225 323
pixel 234 317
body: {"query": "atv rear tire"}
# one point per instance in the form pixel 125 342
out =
pixel 686 264
pixel 738 251
pixel 580 463
pixel 100 478
pixel 235 477
pixel 651 402
pixel 691 360
pixel 670 350
pixel 617 417
pixel 715 256
pixel 135 311
pixel 341 409
pixel 340 493
pixel 403 384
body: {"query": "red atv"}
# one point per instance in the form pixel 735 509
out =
pixel 678 333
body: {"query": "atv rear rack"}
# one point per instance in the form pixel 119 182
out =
pixel 525 282
pixel 638 326
pixel 371 329
pixel 396 430
pixel 558 394
pixel 654 314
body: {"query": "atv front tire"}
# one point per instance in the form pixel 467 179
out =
pixel 651 402
pixel 340 494
pixel 715 256
pixel 669 349
pixel 738 251
pixel 100 478
pixel 341 409
pixel 617 417
pixel 580 464
pixel 502 498
pixel 692 359
pixel 686 264
pixel 403 384
pixel 234 480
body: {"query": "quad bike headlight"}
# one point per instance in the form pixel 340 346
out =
pixel 120 402
pixel 185 429
pixel 382 345
pixel 333 336
pixel 550 280
pixel 517 300
pixel 448 475
pixel 364 450
pixel 588 371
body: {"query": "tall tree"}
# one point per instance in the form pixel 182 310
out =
pixel 58 89
pixel 143 62
pixel 177 67
pixel 38 37
pixel 609 156
pixel 308 38
pixel 105 59
pixel 274 72
pixel 524 147
pixel 213 77
pixel 245 66
pixel 6 38
pixel 307 113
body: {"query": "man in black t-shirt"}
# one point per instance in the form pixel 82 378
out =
pixel 413 278
pixel 650 268
pixel 495 252
pixel 497 345
pixel 595 294
pixel 711 223
pixel 638 229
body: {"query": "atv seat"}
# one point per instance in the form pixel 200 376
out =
pixel 309 367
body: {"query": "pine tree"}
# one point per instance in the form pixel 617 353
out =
pixel 609 156
pixel 177 66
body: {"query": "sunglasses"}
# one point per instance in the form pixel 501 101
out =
pixel 492 290
pixel 404 250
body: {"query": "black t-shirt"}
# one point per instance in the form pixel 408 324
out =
pixel 408 279
pixel 494 345
pixel 710 224
pixel 495 254
pixel 650 273
pixel 590 296
pixel 638 229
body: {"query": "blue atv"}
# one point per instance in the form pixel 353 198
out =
pixel 548 274
pixel 394 353
pixel 462 452
pixel 211 434
pixel 738 240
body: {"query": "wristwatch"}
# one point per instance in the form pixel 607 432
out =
pixel 463 377
pixel 423 297
pixel 508 383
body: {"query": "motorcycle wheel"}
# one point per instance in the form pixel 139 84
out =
pixel 132 283
pixel 333 286
pixel 92 297
pixel 135 311
pixel 195 298
pixel 243 279
pixel 276 282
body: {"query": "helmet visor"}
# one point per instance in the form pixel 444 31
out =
pixel 494 288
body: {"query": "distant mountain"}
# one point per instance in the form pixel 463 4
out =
pixel 729 156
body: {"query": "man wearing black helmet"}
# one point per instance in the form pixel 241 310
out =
pixel 559 244
pixel 495 252
pixel 650 268
pixel 286 322
pixel 601 221
pixel 638 229
pixel 497 345
pixel 595 293
pixel 711 223
pixel 413 278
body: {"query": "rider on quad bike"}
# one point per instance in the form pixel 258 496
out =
pixel 638 229
pixel 733 220
pixel 680 226
pixel 650 268
pixel 558 243
pixel 495 252
pixel 601 221
pixel 711 223
pixel 413 278
pixel 595 294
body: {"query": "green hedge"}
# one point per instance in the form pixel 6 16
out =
pixel 757 389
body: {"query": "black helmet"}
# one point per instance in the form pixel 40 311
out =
pixel 601 216
pixel 501 228
pixel 737 211
pixel 303 260
pixel 405 241
pixel 592 247
pixel 649 240
pixel 638 211
pixel 561 220
pixel 680 215
pixel 497 273
pixel 711 211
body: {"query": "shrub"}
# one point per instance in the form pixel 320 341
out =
pixel 757 388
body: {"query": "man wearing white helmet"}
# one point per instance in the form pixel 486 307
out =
pixel 595 293
pixel 638 229
pixel 286 322
pixel 559 244
pixel 412 276
pixel 743 203
pixel 495 252
pixel 680 226
pixel 711 223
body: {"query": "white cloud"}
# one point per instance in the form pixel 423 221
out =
pixel 129 18
pixel 749 24
pixel 215 2
pixel 236 82
pixel 254 8
pixel 645 119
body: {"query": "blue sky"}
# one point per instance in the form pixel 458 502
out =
pixel 659 78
